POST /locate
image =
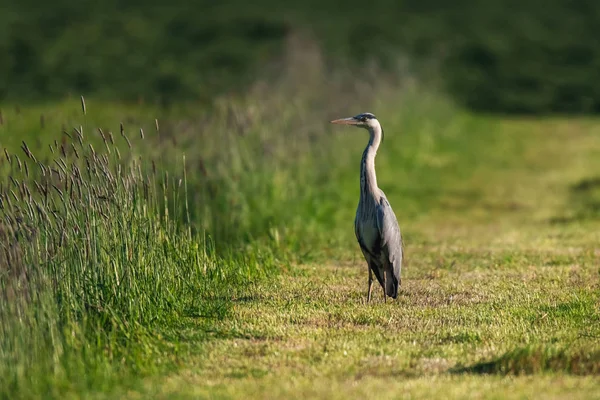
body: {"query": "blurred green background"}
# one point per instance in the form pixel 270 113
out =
pixel 503 56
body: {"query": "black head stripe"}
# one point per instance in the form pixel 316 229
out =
pixel 365 117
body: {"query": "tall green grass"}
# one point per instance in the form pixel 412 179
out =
pixel 95 261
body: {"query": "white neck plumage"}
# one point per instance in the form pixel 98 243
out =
pixel 368 178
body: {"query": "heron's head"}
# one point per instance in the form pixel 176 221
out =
pixel 364 120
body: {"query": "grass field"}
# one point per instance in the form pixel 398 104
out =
pixel 254 287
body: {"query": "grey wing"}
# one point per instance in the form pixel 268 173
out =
pixel 391 241
pixel 370 258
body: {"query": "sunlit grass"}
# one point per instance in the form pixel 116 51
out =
pixel 218 254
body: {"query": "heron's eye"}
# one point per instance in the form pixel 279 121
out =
pixel 364 119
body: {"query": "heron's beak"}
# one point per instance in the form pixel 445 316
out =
pixel 345 121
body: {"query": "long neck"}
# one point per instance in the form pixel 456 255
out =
pixel 368 178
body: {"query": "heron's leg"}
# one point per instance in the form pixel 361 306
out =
pixel 370 284
pixel 384 286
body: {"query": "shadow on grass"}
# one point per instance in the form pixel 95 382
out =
pixel 587 184
pixel 533 360
pixel 584 202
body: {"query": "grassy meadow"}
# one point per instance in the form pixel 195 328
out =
pixel 209 252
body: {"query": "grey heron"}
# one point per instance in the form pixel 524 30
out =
pixel 375 225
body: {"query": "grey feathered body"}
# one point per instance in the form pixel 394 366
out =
pixel 376 227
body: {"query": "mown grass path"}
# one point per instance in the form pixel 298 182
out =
pixel 309 333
